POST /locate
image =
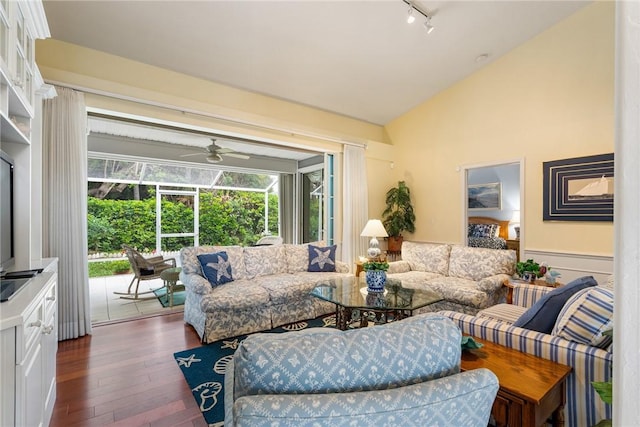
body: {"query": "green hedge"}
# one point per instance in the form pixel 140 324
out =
pixel 226 218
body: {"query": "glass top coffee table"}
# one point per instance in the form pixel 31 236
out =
pixel 356 307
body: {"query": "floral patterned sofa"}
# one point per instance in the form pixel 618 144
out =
pixel 270 287
pixel 469 279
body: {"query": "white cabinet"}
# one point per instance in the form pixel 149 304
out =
pixel 21 93
pixel 21 22
pixel 28 359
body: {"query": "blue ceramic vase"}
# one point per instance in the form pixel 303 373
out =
pixel 375 280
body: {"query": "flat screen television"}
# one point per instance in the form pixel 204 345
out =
pixel 7 238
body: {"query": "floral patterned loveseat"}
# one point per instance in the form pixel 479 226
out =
pixel 469 279
pixel 270 288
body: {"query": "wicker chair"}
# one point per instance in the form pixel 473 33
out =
pixel 144 269
pixel 269 240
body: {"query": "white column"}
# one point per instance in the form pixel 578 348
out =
pixel 626 347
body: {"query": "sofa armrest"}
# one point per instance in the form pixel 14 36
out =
pixel 492 284
pixel 398 267
pixel 525 295
pixel 195 283
pixel 465 396
pixel 342 267
pixel 584 406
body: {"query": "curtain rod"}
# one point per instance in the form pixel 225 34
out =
pixel 205 114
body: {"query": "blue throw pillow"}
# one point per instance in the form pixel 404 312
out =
pixel 542 315
pixel 322 259
pixel 216 268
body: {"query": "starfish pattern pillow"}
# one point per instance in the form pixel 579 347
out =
pixel 216 268
pixel 322 259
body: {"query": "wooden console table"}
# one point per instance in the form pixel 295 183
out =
pixel 532 389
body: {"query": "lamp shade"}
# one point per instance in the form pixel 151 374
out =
pixel 515 218
pixel 374 228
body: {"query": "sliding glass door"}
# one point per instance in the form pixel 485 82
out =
pixel 315 202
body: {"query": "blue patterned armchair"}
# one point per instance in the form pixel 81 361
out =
pixel 405 373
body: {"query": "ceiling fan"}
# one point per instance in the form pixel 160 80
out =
pixel 214 153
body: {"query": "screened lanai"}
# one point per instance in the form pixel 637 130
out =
pixel 227 190
pixel 180 183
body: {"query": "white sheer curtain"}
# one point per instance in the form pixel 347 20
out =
pixel 355 204
pixel 64 206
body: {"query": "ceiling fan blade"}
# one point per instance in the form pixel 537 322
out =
pixel 221 150
pixel 192 154
pixel 237 155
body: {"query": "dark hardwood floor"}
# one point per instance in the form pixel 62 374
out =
pixel 124 374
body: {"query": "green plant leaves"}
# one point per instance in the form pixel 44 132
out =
pixel 375 265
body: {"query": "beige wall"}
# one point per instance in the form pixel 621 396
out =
pixel 551 98
pixel 86 68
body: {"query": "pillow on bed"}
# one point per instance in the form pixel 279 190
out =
pixel 483 230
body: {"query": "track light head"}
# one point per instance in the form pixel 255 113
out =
pixel 427 25
pixel 411 18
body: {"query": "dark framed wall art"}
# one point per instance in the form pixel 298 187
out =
pixel 578 189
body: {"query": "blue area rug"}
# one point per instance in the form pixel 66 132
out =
pixel 204 367
pixel 178 297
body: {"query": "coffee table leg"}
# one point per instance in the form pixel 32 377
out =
pixel 343 315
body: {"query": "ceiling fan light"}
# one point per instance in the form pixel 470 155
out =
pixel 214 158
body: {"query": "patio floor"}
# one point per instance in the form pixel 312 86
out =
pixel 107 307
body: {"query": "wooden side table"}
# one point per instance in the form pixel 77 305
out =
pixel 514 245
pixel 359 268
pixel 532 389
pixel 510 283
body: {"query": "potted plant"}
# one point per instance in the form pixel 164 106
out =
pixel 375 274
pixel 528 270
pixel 398 216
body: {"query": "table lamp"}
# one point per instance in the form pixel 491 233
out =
pixel 515 221
pixel 374 229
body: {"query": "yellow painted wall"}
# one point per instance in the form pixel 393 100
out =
pixel 86 68
pixel 551 98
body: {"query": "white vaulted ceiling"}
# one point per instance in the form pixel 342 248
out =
pixel 356 58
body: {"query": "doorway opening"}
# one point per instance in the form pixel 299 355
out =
pixel 494 194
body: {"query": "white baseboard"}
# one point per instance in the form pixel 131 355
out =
pixel 571 266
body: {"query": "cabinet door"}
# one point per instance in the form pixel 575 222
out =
pixel 30 401
pixel 4 35
pixel 7 373
pixel 49 350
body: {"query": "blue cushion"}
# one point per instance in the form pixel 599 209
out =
pixel 322 259
pixel 542 315
pixel 216 268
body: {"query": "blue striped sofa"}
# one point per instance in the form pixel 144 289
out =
pixel 584 407
pixel 405 373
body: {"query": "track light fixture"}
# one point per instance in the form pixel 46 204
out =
pixel 413 10
pixel 411 16
pixel 427 25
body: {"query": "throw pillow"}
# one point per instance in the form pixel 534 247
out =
pixel 586 316
pixel 542 315
pixel 216 268
pixel 322 259
pixel 482 230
